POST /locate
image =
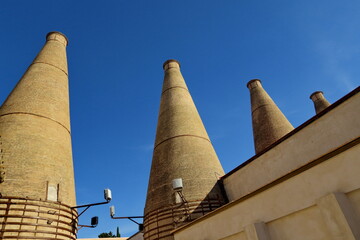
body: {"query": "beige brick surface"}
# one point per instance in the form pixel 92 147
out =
pixel 36 155
pixel 269 123
pixel 182 150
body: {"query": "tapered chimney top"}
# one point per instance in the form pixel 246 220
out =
pixel 254 83
pixel 171 63
pixel 320 102
pixel 57 36
pixel 316 95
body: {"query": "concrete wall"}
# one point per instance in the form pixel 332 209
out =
pixel 307 187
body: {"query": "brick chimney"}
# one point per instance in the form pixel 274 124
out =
pixel 269 123
pixel 182 150
pixel 320 102
pixel 36 149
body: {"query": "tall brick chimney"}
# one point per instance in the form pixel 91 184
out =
pixel 269 123
pixel 182 150
pixel 320 102
pixel 37 184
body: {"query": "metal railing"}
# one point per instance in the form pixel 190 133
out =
pixel 23 218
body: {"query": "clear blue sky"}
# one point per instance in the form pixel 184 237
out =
pixel 115 56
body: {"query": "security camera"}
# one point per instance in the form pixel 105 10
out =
pixel 94 221
pixel 107 194
pixel 177 184
pixel 112 211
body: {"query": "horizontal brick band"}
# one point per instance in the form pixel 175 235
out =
pixel 37 115
pixel 21 218
pixel 167 218
pixel 184 135
pixel 52 66
pixel 173 88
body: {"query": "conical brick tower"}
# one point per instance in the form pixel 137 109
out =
pixel 320 102
pixel 269 123
pixel 37 179
pixel 182 150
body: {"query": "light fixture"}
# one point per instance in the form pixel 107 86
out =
pixel 112 214
pixel 94 220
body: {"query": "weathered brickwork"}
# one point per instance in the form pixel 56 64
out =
pixel 320 102
pixel 2 163
pixel 35 150
pixel 182 150
pixel 269 123
pixel 35 219
pixel 160 222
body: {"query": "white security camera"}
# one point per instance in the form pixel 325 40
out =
pixel 177 184
pixel 107 194
pixel 112 211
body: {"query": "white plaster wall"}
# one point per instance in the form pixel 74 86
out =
pixel 288 209
pixel 237 236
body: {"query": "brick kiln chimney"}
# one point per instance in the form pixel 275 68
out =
pixel 269 123
pixel 37 184
pixel 182 150
pixel 320 102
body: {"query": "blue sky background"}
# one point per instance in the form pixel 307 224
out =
pixel 115 54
